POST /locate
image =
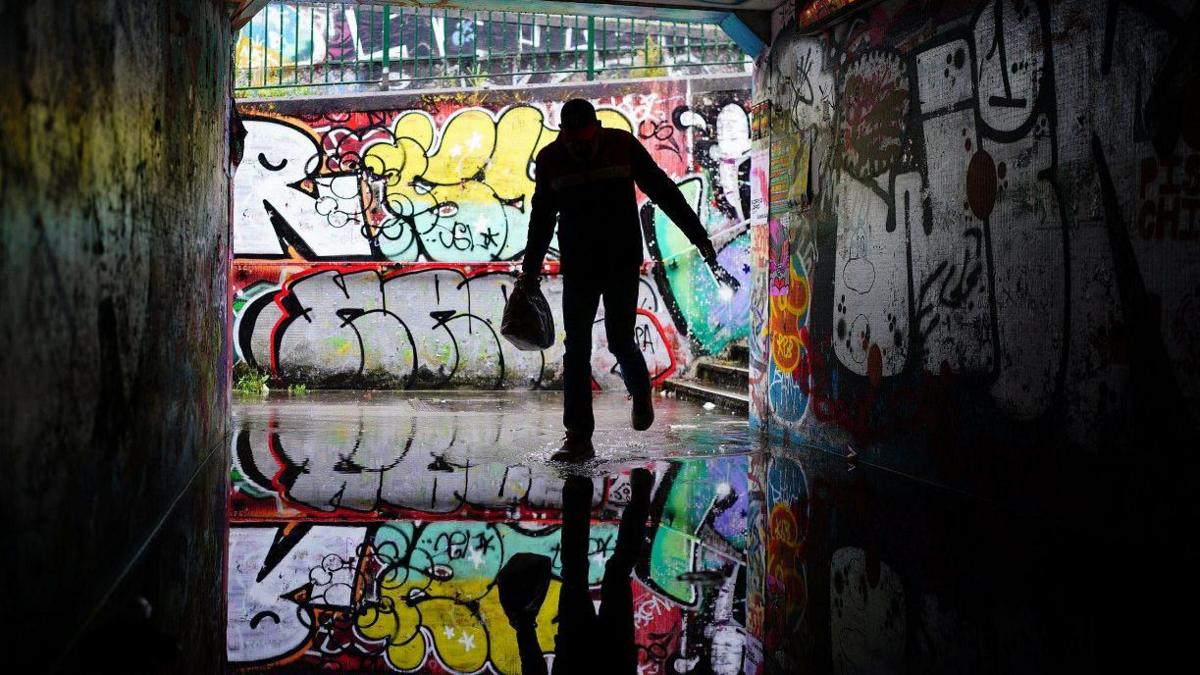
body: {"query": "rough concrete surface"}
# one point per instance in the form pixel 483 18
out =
pixel 114 186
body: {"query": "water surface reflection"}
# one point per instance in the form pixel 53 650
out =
pixel 434 536
pixel 372 535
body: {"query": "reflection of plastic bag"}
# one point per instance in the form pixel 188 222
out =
pixel 527 321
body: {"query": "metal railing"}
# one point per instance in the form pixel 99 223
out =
pixel 307 46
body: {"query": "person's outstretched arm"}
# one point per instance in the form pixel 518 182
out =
pixel 543 215
pixel 663 191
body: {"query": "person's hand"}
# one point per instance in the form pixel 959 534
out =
pixel 724 277
pixel 527 280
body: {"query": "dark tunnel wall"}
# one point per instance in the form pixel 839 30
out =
pixel 114 186
pixel 982 254
pixel 977 269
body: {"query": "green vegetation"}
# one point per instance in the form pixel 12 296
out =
pixel 251 381
pixel 298 389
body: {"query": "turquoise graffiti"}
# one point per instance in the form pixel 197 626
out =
pixel 283 35
pixel 711 314
pixel 701 529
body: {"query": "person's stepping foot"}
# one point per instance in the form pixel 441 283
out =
pixel 523 582
pixel 643 411
pixel 574 449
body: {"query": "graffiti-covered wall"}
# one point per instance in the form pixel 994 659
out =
pixel 981 242
pixel 376 239
pixel 977 265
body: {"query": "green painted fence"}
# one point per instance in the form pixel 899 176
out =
pixel 315 47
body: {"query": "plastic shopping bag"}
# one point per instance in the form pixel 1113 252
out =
pixel 527 321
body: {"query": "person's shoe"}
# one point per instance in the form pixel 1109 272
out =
pixel 574 449
pixel 522 584
pixel 643 411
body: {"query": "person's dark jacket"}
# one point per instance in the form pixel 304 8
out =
pixel 599 229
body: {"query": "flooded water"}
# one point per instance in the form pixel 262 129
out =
pixel 381 533
pixel 368 533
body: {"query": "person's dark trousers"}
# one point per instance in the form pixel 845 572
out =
pixel 576 643
pixel 589 643
pixel 582 292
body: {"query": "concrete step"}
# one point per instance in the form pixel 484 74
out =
pixel 724 374
pixel 738 353
pixel 691 390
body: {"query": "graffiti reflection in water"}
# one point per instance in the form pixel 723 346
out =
pixel 372 537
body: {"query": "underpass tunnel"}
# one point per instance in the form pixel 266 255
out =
pixel 928 409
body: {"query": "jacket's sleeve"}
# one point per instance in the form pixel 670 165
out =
pixel 543 216
pixel 663 191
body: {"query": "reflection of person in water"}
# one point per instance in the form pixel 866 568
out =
pixel 588 641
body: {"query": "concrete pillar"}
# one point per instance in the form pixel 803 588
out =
pixel 114 191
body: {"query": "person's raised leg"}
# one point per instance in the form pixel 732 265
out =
pixel 581 297
pixel 620 324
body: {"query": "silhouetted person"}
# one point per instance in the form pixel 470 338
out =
pixel 587 641
pixel 586 179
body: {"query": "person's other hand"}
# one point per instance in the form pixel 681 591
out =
pixel 722 275
pixel 724 278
